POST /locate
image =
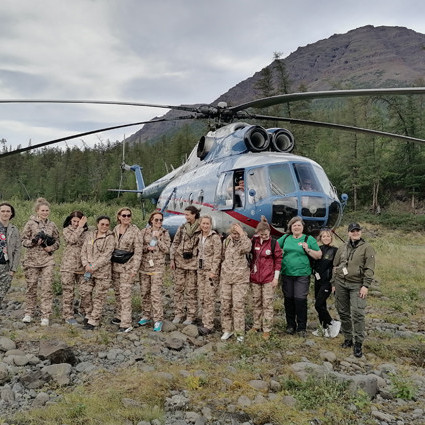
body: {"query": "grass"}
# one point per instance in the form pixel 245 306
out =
pixel 397 298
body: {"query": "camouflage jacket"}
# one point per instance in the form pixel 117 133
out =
pixel 182 242
pixel 156 257
pixel 97 252
pixel 71 257
pixel 35 255
pixel 235 267
pixel 130 241
pixel 210 252
pixel 13 247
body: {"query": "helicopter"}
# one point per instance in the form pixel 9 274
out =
pixel 244 172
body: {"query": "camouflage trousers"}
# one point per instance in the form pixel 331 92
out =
pixel 123 286
pixel 151 286
pixel 5 281
pixel 262 300
pixel 233 298
pixel 69 282
pixel 93 295
pixel 185 286
pixel 43 276
pixel 207 294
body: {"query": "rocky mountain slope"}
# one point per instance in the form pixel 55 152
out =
pixel 365 57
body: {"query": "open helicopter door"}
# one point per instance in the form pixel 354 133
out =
pixel 230 192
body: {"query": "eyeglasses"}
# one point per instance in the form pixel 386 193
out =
pixel 355 230
pixel 157 219
pixel 125 215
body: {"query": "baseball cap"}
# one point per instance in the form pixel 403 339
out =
pixel 354 226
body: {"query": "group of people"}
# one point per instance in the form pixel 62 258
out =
pixel 206 268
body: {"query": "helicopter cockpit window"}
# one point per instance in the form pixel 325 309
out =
pixel 306 178
pixel 324 182
pixel 281 180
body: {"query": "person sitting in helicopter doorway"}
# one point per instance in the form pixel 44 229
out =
pixel 240 192
pixel 322 285
pixel 184 262
pixel 10 248
pixel 353 272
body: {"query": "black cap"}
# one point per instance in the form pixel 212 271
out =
pixel 354 226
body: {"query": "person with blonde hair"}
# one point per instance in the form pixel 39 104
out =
pixel 209 260
pixel 72 270
pixel 265 269
pixel 322 285
pixel 125 266
pixel 234 282
pixel 156 243
pixel 40 237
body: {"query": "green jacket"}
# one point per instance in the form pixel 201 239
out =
pixel 358 261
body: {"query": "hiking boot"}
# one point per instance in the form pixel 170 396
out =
pixel 334 328
pixel 144 321
pixel 177 320
pixel 27 319
pixel 89 327
pixel 188 322
pixel 71 321
pixel 226 336
pixel 240 339
pixel 157 327
pixel 115 321
pixel 44 322
pixel 302 334
pixel 290 330
pixel 357 350
pixel 347 343
pixel 203 331
pixel 125 330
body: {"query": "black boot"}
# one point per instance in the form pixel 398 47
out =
pixel 347 343
pixel 357 350
pixel 289 304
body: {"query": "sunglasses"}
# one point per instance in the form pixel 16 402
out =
pixel 125 215
pixel 157 219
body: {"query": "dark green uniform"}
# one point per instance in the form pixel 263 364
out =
pixel 354 267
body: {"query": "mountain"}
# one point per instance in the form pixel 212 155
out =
pixel 362 58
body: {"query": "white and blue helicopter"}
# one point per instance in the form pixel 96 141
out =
pixel 243 172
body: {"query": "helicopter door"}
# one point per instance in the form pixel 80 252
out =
pixel 230 191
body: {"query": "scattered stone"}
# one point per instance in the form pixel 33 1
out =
pixel 59 372
pixel 259 385
pixel 40 400
pixel 57 352
pixel 6 344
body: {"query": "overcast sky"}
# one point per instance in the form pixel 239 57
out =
pixel 155 51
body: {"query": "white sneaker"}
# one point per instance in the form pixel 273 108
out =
pixel 226 336
pixel 240 338
pixel 187 322
pixel 326 333
pixel 44 322
pixel 176 320
pixel 317 332
pixel 27 319
pixel 334 328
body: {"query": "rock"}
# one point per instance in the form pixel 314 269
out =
pixel 289 400
pixel 7 395
pixel 328 356
pixel 192 417
pixel 129 402
pixel 367 383
pixel 59 372
pixel 4 373
pixel 85 367
pixel 275 386
pixel 176 402
pixel 33 380
pixel 40 400
pixel 383 416
pixel 173 343
pixel 191 331
pixel 57 352
pixel 244 401
pixel 6 344
pixel 259 385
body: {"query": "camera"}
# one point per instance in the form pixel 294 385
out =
pixel 46 240
pixel 187 255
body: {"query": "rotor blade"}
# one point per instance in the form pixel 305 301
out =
pixel 338 127
pixel 87 133
pixel 291 97
pixel 100 102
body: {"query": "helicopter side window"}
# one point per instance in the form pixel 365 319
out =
pixel 224 192
pixel 257 180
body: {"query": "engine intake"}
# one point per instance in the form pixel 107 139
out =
pixel 257 139
pixel 282 140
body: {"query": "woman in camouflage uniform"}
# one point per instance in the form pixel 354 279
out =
pixel 184 262
pixel 10 248
pixel 156 245
pixel 127 238
pixel 234 282
pixel 72 270
pixel 41 238
pixel 96 258
pixel 209 260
